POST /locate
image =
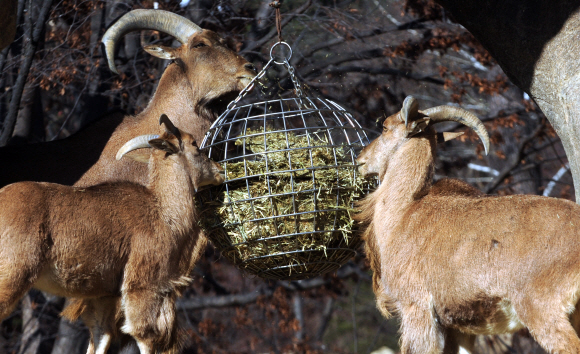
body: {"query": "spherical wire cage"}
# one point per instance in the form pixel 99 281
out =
pixel 285 208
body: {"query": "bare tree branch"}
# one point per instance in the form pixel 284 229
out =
pixel 382 71
pixel 415 24
pixel 32 39
pixel 286 18
pixel 515 161
pixel 204 302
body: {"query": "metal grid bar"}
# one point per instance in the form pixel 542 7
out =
pixel 326 128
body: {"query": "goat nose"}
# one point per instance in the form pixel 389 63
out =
pixel 250 66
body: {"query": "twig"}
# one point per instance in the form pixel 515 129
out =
pixel 515 161
pixel 415 24
pixel 274 32
pixel 382 71
pixel 204 302
pixel 353 315
pixel 326 317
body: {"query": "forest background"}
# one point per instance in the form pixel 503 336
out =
pixel 367 55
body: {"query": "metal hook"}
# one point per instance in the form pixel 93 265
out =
pixel 272 51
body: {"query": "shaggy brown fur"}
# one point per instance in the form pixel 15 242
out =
pixel 453 262
pixel 193 90
pixel 110 240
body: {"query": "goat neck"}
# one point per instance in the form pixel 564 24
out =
pixel 398 190
pixel 176 97
pixel 174 191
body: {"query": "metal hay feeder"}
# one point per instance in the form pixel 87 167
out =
pixel 284 211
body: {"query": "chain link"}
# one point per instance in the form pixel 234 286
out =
pixel 295 81
pixel 250 86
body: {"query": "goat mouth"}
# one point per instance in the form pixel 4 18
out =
pixel 245 80
pixel 362 170
pixel 219 104
pixel 220 178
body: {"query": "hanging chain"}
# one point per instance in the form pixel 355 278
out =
pixel 286 63
pixel 295 81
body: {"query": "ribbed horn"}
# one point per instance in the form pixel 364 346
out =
pixel 410 107
pixel 459 115
pixel 167 22
pixel 140 142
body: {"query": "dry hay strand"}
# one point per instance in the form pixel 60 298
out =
pixel 287 204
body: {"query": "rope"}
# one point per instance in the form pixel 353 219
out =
pixel 276 4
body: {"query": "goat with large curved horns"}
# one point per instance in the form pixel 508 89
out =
pixel 116 243
pixel 195 88
pixel 453 262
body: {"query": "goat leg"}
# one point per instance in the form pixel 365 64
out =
pixel 549 325
pixel 17 274
pixel 454 340
pixel 150 318
pixel 420 333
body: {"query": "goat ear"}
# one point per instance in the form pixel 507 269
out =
pixel 162 52
pixel 164 145
pixel 446 136
pixel 169 127
pixel 417 126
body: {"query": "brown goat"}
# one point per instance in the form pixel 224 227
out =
pixel 453 262
pixel 203 77
pixel 113 239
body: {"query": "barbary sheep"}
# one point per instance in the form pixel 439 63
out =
pixel 453 262
pixel 115 239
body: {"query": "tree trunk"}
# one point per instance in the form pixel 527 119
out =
pixel 536 43
pixel 29 126
pixel 71 338
pixel 32 38
pixel 7 22
pixel 39 314
pixel 31 333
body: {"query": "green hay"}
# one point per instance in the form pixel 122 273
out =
pixel 324 179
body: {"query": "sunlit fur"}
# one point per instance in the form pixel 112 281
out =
pixel 117 239
pixel 452 262
pixel 194 89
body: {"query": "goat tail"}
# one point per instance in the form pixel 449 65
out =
pixel 74 309
pixel 179 340
pixel 173 337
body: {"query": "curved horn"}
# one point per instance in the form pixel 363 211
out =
pixel 410 107
pixel 142 141
pixel 459 115
pixel 164 21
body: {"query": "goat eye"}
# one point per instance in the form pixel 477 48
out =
pixel 199 45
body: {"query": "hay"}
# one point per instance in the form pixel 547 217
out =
pixel 288 203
